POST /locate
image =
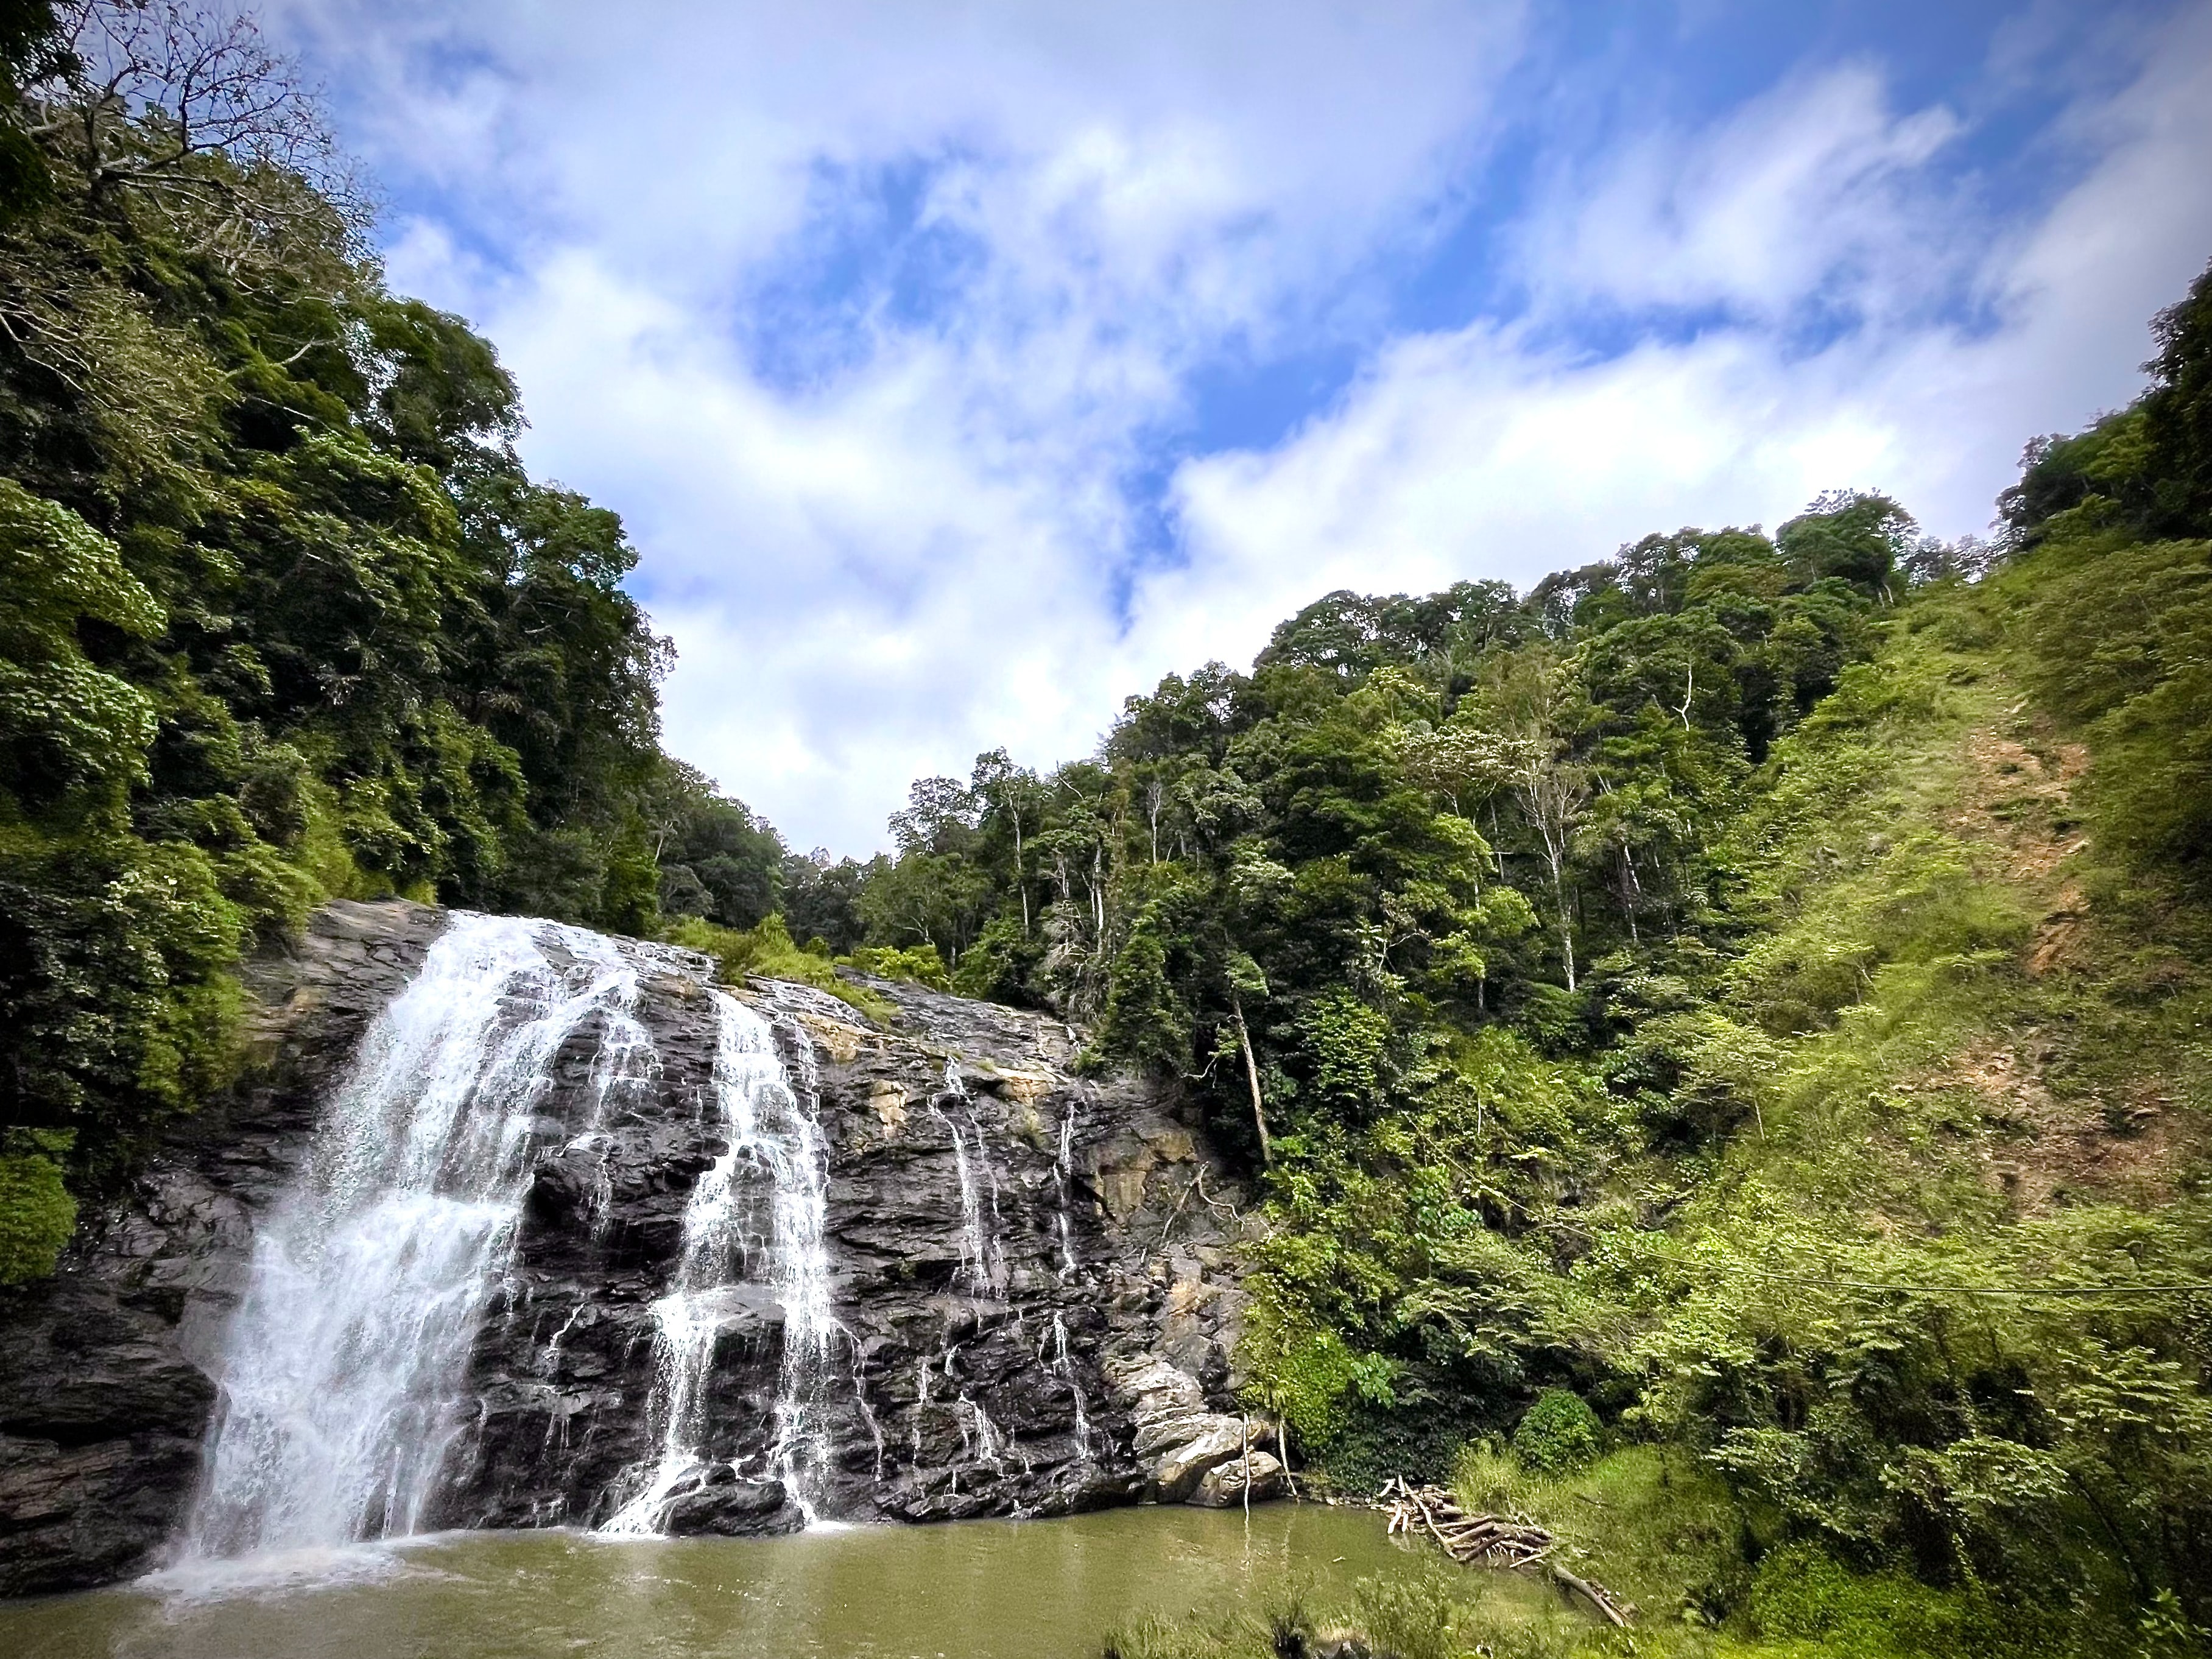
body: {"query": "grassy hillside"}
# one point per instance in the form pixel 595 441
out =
pixel 1879 1238
pixel 1874 1219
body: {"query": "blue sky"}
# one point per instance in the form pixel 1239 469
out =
pixel 960 368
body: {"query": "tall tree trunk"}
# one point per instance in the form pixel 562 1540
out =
pixel 1555 856
pixel 1021 880
pixel 1567 938
pixel 1252 1076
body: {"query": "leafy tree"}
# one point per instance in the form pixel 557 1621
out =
pixel 2177 415
pixel 715 858
pixel 281 615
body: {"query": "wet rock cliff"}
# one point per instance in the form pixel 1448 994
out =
pixel 1031 1278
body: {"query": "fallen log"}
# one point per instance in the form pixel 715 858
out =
pixel 1597 1597
pixel 1512 1542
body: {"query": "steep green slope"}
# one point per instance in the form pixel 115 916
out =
pixel 1755 984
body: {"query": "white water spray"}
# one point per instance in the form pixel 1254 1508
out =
pixel 341 1384
pixel 1063 1171
pixel 772 1140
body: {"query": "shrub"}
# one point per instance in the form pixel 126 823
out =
pixel 1559 1434
pixel 36 1216
pixel 767 952
pixel 919 965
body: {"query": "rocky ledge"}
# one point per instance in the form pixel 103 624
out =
pixel 1035 1274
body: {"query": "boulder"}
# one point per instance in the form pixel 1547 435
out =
pixel 1182 1448
pixel 721 1505
pixel 1223 1485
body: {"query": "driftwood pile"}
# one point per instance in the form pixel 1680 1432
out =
pixel 1489 1540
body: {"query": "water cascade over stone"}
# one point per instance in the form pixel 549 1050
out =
pixel 737 1276
pixel 342 1383
pixel 982 1262
pixel 1063 1173
pixel 1063 1363
pixel 511 1225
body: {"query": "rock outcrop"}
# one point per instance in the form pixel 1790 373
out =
pixel 1035 1275
pixel 1188 1453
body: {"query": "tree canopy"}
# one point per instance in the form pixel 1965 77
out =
pixel 283 616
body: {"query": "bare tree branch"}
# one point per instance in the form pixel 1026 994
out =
pixel 186 107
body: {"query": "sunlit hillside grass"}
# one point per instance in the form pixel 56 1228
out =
pixel 1868 1397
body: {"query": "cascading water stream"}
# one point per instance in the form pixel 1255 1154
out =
pixel 341 1384
pixel 1063 1171
pixel 981 1273
pixel 774 1141
pixel 626 1060
pixel 1064 1363
pixel 982 1268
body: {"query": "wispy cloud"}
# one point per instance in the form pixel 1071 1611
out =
pixel 1500 450
pixel 881 324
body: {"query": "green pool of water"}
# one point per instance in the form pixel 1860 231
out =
pixel 978 1589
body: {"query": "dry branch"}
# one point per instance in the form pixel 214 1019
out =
pixel 1490 1541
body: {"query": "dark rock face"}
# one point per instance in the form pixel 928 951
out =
pixel 717 1502
pixel 106 1369
pixel 1015 1257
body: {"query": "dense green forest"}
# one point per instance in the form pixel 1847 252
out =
pixel 1747 994
pixel 283 617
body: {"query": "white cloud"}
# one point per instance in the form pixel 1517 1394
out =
pixel 914 553
pixel 911 559
pixel 1474 452
pixel 1798 198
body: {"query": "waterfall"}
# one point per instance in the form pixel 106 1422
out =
pixel 1063 1167
pixel 772 1140
pixel 982 1262
pixel 342 1380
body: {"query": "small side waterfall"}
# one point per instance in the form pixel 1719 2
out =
pixel 983 1260
pixel 341 1389
pixel 1063 1171
pixel 1064 1363
pixel 727 1261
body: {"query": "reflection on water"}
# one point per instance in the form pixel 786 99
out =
pixel 979 1589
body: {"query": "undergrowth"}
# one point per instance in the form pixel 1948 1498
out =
pixel 766 951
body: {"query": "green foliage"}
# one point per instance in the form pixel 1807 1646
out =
pixel 2118 638
pixel 282 616
pixel 1347 1045
pixel 2145 471
pixel 1688 989
pixel 68 727
pixel 1558 1434
pixel 2178 415
pixel 1145 1026
pixel 715 858
pixel 1803 1602
pixel 37 1213
pixel 919 965
pixel 766 951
